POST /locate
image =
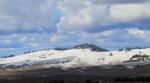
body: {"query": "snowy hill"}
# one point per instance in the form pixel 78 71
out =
pixel 71 58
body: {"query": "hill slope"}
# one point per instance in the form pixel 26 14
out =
pixel 71 58
pixel 93 47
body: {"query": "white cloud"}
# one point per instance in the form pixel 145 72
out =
pixel 82 14
pixel 28 26
pixel 7 41
pixel 23 39
pixel 136 32
pixel 32 39
pixel 61 25
pixel 56 38
pixel 142 35
pixel 61 31
pixel 34 44
pixel 86 15
pixel 6 49
pixel 101 40
pixel 7 23
pixel 117 1
pixel 27 15
pixel 130 12
pixel 83 21
pixel 39 15
pixel 108 33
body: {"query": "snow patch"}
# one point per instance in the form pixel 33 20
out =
pixel 72 58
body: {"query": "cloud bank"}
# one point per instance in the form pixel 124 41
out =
pixel 37 24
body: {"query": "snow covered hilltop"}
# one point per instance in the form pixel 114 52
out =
pixel 79 56
pixel 80 62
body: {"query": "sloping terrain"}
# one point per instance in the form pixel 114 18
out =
pixel 71 58
pixel 75 64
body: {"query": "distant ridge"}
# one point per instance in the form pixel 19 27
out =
pixel 93 47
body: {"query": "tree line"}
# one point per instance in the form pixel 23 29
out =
pixel 129 48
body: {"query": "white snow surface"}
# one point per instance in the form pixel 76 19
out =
pixel 72 58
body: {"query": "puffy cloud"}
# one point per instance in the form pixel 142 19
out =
pixel 85 15
pixel 32 39
pixel 101 40
pixel 23 39
pixel 34 44
pixel 82 14
pixel 27 16
pixel 61 25
pixel 117 1
pixel 112 39
pixel 108 33
pixel 136 32
pixel 21 16
pixel 56 38
pixel 130 12
pixel 7 41
pixel 6 49
pixel 142 35
pixel 30 24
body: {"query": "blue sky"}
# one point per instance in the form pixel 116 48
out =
pixel 38 24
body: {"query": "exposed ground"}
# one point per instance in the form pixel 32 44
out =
pixel 80 64
pixel 96 72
